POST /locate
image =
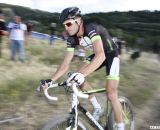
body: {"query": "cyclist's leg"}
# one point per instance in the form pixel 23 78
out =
pixel 112 67
pixel 97 111
pixel 112 94
pixel 86 86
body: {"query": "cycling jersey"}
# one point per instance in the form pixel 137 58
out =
pixel 92 32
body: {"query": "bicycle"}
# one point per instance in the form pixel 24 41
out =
pixel 72 121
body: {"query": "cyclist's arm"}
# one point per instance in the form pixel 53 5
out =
pixel 97 60
pixel 64 66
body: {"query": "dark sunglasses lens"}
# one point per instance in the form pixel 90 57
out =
pixel 68 24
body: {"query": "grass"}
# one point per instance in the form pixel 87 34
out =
pixel 18 89
pixel 135 76
pixel 139 80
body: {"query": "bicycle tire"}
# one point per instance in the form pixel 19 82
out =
pixel 128 115
pixel 60 123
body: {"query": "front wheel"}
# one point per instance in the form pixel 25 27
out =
pixel 128 115
pixel 60 123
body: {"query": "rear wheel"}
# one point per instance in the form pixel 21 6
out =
pixel 128 115
pixel 60 123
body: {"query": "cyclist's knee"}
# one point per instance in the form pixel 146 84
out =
pixel 112 96
pixel 82 86
pixel 85 86
pixel 112 93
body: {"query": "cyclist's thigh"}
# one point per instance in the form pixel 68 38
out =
pixel 112 64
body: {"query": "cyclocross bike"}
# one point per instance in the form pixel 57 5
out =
pixel 74 121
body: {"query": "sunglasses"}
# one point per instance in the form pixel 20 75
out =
pixel 69 24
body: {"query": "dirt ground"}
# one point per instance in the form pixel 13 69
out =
pixel 33 115
pixel 149 114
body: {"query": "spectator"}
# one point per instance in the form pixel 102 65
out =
pixel 156 48
pixel 52 33
pixel 64 35
pixel 135 54
pixel 3 31
pixel 29 27
pixel 80 53
pixel 17 32
pixel 119 44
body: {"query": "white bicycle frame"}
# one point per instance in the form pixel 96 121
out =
pixel 76 105
pixel 75 101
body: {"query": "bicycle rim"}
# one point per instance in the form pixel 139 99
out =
pixel 128 115
pixel 60 123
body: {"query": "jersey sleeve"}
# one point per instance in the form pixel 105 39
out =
pixel 71 43
pixel 92 32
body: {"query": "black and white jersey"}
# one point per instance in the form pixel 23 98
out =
pixel 92 32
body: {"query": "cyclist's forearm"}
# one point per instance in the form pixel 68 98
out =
pixel 95 63
pixel 59 72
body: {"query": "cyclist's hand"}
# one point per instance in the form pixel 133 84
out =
pixel 76 77
pixel 44 84
pixel 48 81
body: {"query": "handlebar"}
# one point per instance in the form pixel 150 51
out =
pixel 46 92
pixel 79 93
pixel 74 88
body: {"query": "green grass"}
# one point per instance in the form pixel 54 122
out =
pixel 18 89
pixel 138 80
pixel 35 49
pixel 52 56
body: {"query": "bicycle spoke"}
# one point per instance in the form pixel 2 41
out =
pixel 128 115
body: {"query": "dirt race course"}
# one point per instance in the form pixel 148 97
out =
pixel 35 111
pixel 33 115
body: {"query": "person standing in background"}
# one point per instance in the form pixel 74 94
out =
pixel 52 33
pixel 29 28
pixel 17 31
pixel 3 30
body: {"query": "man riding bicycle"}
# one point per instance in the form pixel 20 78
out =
pixel 96 38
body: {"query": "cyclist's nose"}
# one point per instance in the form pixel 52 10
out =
pixel 66 27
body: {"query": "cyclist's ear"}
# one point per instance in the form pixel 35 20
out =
pixel 78 20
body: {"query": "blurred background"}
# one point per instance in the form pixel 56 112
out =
pixel 138 36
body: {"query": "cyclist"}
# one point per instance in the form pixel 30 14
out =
pixel 96 38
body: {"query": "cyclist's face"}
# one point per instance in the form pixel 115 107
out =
pixel 71 26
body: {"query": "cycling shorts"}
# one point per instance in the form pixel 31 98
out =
pixel 111 63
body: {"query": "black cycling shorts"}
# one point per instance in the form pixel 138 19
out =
pixel 112 64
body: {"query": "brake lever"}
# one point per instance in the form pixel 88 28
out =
pixel 66 86
pixel 62 84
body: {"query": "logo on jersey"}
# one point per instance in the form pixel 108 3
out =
pixel 92 33
pixel 16 26
pixel 86 43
